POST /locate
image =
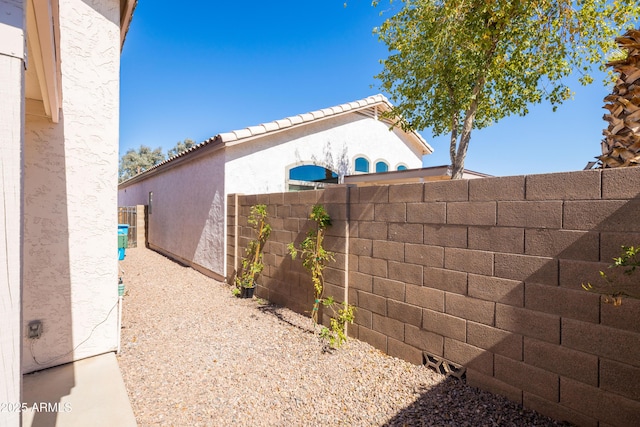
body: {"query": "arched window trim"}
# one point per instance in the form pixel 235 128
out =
pixel 361 156
pixel 310 184
pixel 399 165
pixel 381 161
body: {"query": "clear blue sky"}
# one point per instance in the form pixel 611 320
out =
pixel 207 67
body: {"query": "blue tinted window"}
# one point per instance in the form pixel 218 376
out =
pixel 382 167
pixel 402 168
pixel 362 165
pixel 312 173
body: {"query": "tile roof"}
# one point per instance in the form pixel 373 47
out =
pixel 240 135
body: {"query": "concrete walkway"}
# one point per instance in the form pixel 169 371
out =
pixel 89 392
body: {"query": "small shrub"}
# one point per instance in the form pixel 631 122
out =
pixel 612 290
pixel 252 265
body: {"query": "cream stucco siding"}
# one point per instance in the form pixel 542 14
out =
pixel 261 165
pixel 70 217
pixel 11 151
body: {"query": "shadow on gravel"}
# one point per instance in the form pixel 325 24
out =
pixel 276 311
pixel 454 403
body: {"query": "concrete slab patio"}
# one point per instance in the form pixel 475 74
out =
pixel 89 392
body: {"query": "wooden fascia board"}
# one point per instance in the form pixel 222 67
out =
pixel 41 17
pixel 126 14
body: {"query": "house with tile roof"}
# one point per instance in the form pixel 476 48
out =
pixel 59 108
pixel 187 194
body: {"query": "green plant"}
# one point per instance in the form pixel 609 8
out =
pixel 614 291
pixel 252 265
pixel 314 259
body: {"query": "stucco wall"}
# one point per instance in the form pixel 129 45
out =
pixel 11 148
pixel 260 166
pixel 484 274
pixel 70 216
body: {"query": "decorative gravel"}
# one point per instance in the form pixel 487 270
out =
pixel 194 355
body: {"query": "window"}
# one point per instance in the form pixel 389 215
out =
pixel 362 165
pixel 401 168
pixel 309 177
pixel 382 167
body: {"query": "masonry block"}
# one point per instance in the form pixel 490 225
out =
pixel 361 281
pixel 407 273
pixel 611 244
pixel 444 324
pixel 574 304
pixel 526 268
pixel 489 288
pixel 388 288
pixel 471 213
pixel 545 327
pixel 621 183
pixel 468 260
pixel 620 378
pixel 429 256
pixel 606 407
pixel 390 327
pixel 530 214
pixel 493 385
pixel 425 297
pixel 352 330
pixel 528 378
pixel 384 249
pixel 564 244
pixel 371 194
pixel 405 193
pixel 468 356
pixel 495 340
pixel 405 313
pixel 334 276
pixel 283 211
pixel 561 360
pixel 469 308
pixel 372 266
pixel 445 235
pixel 363 317
pixel 574 273
pixel 404 351
pixel 625 317
pixel 446 191
pixel 395 212
pixel 310 197
pixel 580 185
pixel 406 233
pixel 376 339
pixel 373 230
pixel 361 211
pixel 362 247
pixel 602 215
pixel 497 239
pixel 446 280
pixel 557 411
pixel 424 340
pixel 427 213
pixel 374 303
pixel 614 344
pixel 498 188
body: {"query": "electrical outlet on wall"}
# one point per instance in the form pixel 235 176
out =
pixel 35 329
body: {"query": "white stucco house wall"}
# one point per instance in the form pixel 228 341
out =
pixel 59 113
pixel 187 194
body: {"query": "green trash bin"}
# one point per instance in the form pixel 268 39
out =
pixel 123 240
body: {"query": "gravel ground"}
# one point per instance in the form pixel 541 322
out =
pixel 194 355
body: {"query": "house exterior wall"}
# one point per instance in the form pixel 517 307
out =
pixel 188 216
pixel 11 156
pixel 485 274
pixel 260 166
pixel 70 215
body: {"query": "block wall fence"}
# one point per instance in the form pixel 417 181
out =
pixel 484 274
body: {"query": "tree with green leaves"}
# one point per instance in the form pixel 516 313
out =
pixel 459 65
pixel 134 162
pixel 181 147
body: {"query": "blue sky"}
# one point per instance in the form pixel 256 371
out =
pixel 194 72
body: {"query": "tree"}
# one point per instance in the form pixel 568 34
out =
pixel 621 145
pixel 459 65
pixel 181 147
pixel 134 162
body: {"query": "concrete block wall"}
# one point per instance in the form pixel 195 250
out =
pixel 486 274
